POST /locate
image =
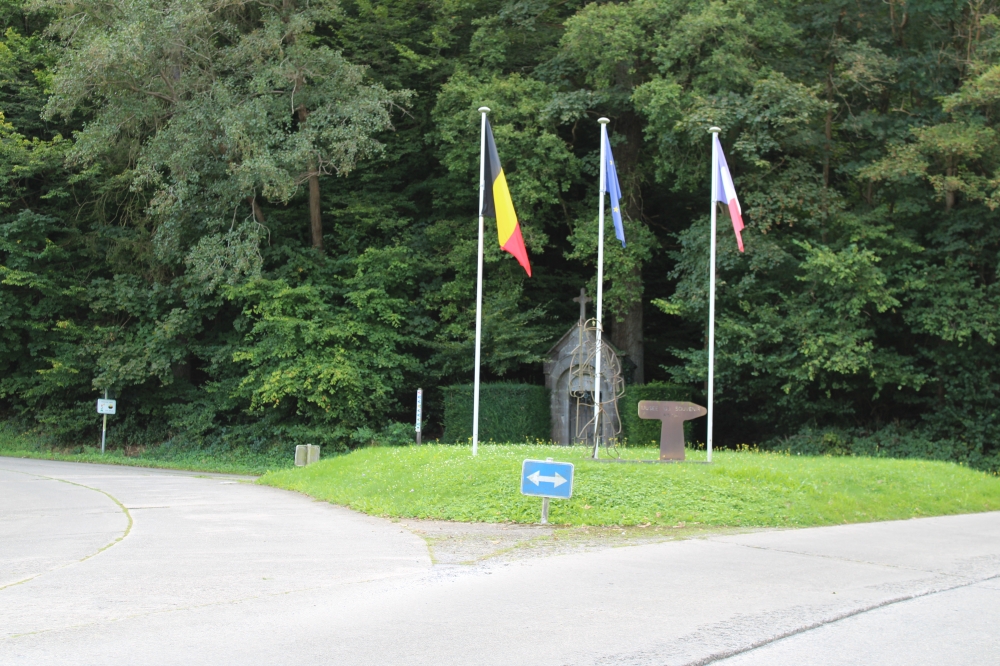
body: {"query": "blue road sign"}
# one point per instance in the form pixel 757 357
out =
pixel 544 478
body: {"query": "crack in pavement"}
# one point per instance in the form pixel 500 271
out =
pixel 718 656
pixel 124 509
pixel 840 558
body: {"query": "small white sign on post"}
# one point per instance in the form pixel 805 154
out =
pixel 105 407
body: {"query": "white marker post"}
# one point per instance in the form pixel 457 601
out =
pixel 420 409
pixel 104 427
pixel 600 288
pixel 711 291
pixel 479 280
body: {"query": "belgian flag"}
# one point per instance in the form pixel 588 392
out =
pixel 497 203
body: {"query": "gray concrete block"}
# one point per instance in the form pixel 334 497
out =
pixel 306 454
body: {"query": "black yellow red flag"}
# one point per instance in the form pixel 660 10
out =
pixel 497 203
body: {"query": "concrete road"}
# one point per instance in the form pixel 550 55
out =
pixel 108 565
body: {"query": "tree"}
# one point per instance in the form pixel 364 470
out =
pixel 862 136
pixel 207 106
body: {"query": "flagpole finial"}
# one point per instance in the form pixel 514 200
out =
pixel 484 109
pixel 714 130
pixel 603 121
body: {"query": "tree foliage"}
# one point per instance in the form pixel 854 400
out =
pixel 170 170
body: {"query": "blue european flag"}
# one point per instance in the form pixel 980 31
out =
pixel 613 188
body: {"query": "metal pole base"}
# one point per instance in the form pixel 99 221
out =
pixel 545 511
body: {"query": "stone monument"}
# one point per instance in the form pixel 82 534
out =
pixel 672 416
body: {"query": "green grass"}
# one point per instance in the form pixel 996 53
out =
pixel 236 461
pixel 225 463
pixel 740 488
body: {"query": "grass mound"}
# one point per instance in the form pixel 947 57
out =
pixel 740 488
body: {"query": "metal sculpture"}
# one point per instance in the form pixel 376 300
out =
pixel 581 386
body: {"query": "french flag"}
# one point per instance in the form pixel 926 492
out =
pixel 727 193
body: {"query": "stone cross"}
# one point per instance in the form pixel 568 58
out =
pixel 582 300
pixel 672 416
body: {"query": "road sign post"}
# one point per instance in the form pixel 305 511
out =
pixel 105 407
pixel 547 479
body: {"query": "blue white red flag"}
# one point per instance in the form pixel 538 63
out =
pixel 612 187
pixel 727 194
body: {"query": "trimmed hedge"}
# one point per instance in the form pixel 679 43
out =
pixel 507 413
pixel 636 431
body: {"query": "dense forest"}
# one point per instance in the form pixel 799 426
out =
pixel 254 223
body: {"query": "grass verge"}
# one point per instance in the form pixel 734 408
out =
pixel 235 461
pixel 740 488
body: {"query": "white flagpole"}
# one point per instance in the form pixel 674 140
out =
pixel 711 289
pixel 479 281
pixel 600 288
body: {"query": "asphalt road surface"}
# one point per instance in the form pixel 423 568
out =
pixel 112 565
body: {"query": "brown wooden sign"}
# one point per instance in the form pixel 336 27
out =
pixel 672 415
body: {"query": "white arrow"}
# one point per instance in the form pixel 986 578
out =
pixel 556 480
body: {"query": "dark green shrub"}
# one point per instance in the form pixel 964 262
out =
pixel 394 434
pixel 891 441
pixel 636 431
pixel 507 413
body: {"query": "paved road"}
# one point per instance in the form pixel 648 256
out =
pixel 108 565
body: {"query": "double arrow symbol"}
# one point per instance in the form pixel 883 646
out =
pixel 556 480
